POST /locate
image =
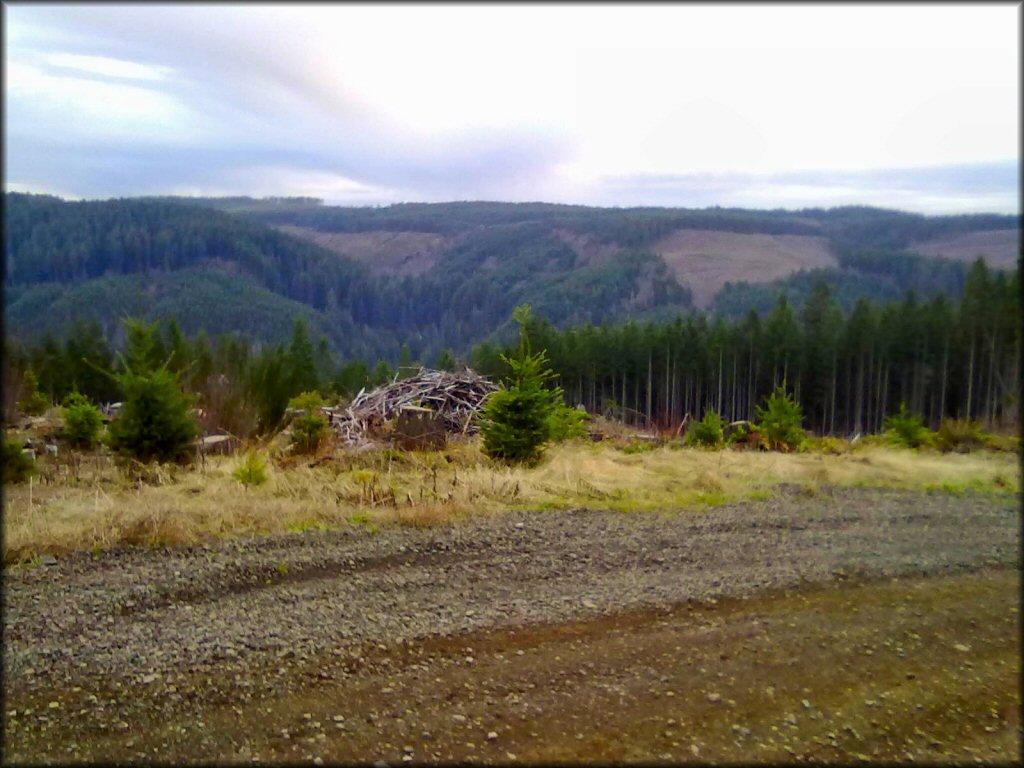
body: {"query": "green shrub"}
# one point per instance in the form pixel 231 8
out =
pixel 82 421
pixel 17 466
pixel 567 423
pixel 1007 443
pixel 869 441
pixel 829 446
pixel 309 430
pixel 959 435
pixel 745 436
pixel 33 402
pixel 780 421
pixel 155 422
pixel 252 470
pixel 739 436
pixel 639 446
pixel 906 429
pixel 517 418
pixel 707 432
pixel 309 402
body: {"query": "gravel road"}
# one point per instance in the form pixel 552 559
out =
pixel 251 607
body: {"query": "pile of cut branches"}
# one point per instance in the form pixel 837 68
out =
pixel 454 398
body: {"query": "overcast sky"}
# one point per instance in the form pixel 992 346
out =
pixel 913 107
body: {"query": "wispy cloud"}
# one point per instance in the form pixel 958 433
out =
pixel 670 106
pixel 943 189
pixel 108 67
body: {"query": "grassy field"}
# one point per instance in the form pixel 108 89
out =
pixel 84 502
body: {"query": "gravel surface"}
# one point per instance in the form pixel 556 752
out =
pixel 250 607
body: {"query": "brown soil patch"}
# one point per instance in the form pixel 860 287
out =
pixel 911 669
pixel 705 260
pixel 589 249
pixel 999 247
pixel 397 253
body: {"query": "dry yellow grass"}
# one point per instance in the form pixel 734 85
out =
pixel 102 508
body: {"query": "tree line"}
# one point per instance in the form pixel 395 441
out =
pixel 848 371
pixel 239 384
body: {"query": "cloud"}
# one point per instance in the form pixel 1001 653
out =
pixel 108 67
pixel 236 107
pixel 938 190
pixel 672 106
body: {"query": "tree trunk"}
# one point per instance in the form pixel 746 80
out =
pixel 970 379
pixel 673 406
pixel 718 405
pixel 879 398
pixel 942 390
pixel 990 397
pixel 750 384
pixel 650 381
pixel 858 425
pixel 832 413
pixel 885 397
pixel 636 395
pixel 732 412
pixel 666 397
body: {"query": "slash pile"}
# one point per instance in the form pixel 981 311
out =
pixel 454 398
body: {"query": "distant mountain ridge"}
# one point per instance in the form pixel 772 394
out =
pixel 448 274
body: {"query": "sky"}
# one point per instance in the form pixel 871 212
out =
pixel 913 107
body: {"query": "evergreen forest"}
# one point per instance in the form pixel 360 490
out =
pixel 249 315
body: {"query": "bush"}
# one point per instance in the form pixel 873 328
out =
pixel 155 422
pixel 17 466
pixel 639 446
pixel 959 435
pixel 33 402
pixel 82 421
pixel 780 421
pixel 829 446
pixel 252 471
pixel 1007 443
pixel 309 430
pixel 906 429
pixel 744 436
pixel 567 423
pixel 517 418
pixel 707 432
pixel 739 436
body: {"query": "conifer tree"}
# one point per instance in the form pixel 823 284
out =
pixel 155 422
pixel 301 360
pixel 445 361
pixel 270 384
pixel 144 352
pixel 517 418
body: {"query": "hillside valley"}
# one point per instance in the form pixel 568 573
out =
pixel 447 275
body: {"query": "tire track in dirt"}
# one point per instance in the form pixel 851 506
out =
pixel 134 612
pixel 901 669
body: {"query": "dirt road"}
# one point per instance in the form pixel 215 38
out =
pixel 852 623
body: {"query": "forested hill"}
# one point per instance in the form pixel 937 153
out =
pixel 448 275
pixel 729 259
